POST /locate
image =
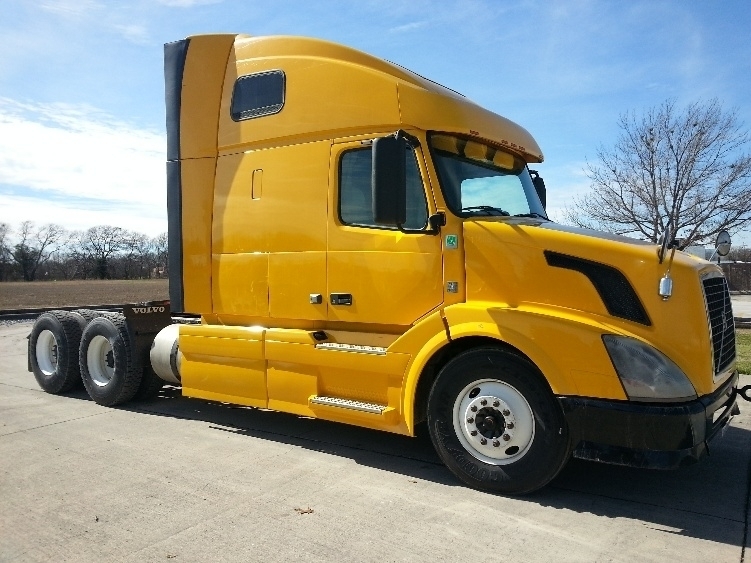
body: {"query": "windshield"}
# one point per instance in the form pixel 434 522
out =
pixel 478 179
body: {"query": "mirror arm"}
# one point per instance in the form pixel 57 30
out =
pixel 412 141
pixel 436 221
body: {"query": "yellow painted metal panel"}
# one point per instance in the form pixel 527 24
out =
pixel 556 341
pixel 431 110
pixel 224 364
pixel 387 287
pixel 290 386
pixel 506 265
pixel 354 362
pixel 197 196
pixel 321 94
pixel 293 278
pixel 241 285
pixel 421 342
pixel 203 80
pixel 291 214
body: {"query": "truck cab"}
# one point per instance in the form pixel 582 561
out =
pixel 364 245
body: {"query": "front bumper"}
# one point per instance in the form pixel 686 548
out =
pixel 655 435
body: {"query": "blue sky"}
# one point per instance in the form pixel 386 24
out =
pixel 81 86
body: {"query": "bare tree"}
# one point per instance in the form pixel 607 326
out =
pixel 159 246
pixel 35 245
pixel 740 254
pixel 135 255
pixel 6 258
pixel 689 168
pixel 100 244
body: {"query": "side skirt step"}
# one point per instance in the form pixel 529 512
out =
pixel 371 408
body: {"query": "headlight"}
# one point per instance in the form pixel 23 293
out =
pixel 647 374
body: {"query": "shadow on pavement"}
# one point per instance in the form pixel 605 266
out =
pixel 706 500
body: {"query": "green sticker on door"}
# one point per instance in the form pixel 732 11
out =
pixel 452 241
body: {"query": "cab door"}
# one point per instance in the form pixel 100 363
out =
pixel 379 275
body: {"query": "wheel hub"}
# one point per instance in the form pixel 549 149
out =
pixel 490 422
pixel 493 421
pixel 488 418
pixel 47 352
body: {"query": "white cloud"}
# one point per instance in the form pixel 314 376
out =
pixel 73 216
pixel 134 33
pixel 61 152
pixel 71 8
pixel 408 27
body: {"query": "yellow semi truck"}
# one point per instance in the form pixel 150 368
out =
pixel 364 245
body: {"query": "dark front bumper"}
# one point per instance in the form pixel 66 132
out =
pixel 655 435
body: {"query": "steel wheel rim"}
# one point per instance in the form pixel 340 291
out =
pixel 46 352
pixel 100 360
pixel 495 412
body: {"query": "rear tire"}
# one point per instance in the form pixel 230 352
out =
pixel 53 351
pixel 495 422
pixel 88 314
pixel 110 372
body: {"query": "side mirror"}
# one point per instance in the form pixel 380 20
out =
pixel 389 181
pixel 723 243
pixel 539 185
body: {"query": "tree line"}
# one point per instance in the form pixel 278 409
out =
pixel 32 252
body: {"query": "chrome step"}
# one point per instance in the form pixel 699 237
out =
pixel 348 404
pixel 362 349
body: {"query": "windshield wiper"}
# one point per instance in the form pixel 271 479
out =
pixel 532 214
pixel 487 209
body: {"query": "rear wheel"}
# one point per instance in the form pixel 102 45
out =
pixel 88 314
pixel 109 370
pixel 53 351
pixel 496 424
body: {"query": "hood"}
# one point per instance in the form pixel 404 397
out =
pixel 610 279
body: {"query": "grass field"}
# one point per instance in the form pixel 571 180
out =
pixel 743 350
pixel 31 295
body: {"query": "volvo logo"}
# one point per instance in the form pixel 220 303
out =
pixel 142 310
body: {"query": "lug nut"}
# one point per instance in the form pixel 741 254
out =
pixel 483 402
pixel 483 441
pixel 474 432
pixel 496 403
pixel 506 412
pixel 496 443
pixel 506 437
pixel 473 408
pixel 470 420
pixel 510 425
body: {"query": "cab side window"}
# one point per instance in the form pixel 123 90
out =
pixel 355 205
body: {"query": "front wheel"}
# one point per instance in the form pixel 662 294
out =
pixel 495 423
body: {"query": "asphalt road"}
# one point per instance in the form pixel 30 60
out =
pixel 187 480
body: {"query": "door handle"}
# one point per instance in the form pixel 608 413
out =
pixel 341 299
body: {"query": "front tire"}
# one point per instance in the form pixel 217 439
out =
pixel 110 372
pixel 496 424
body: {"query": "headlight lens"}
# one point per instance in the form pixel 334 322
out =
pixel 646 373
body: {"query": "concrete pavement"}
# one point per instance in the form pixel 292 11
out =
pixel 187 480
pixel 741 306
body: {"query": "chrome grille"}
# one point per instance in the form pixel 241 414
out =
pixel 721 323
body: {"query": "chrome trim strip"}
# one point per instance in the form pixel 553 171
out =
pixel 359 348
